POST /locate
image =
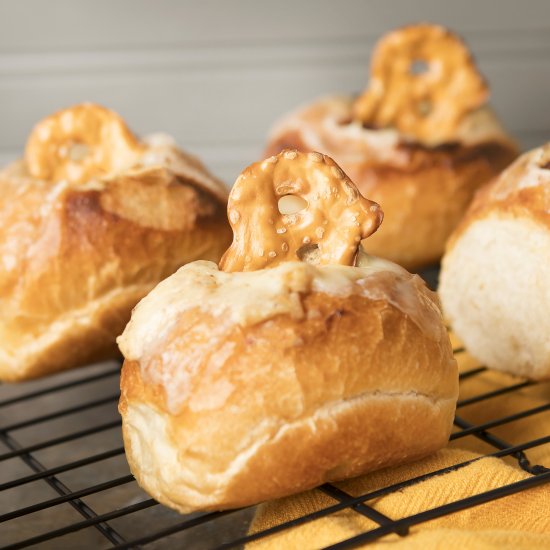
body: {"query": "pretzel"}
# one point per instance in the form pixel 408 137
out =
pixel 427 106
pixel 328 230
pixel 79 143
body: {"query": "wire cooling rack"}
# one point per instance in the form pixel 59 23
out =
pixel 64 481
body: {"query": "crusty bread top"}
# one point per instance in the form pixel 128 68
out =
pixel 248 298
pixel 161 153
pixel 530 171
pixel 327 125
pixel 522 189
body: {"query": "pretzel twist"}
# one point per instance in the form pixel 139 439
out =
pixel 427 104
pixel 80 142
pixel 334 220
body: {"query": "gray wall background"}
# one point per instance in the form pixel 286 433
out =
pixel 215 74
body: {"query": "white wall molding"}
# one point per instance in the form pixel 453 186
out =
pixel 496 47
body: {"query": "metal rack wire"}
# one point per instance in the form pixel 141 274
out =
pixel 64 481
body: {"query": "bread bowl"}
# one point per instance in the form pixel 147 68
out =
pixel 91 219
pixel 495 273
pixel 298 360
pixel 420 140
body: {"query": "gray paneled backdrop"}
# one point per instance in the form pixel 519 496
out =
pixel 215 74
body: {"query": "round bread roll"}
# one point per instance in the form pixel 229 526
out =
pixel 418 144
pixel 91 220
pixel 495 276
pixel 272 375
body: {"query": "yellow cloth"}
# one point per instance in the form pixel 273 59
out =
pixel 519 521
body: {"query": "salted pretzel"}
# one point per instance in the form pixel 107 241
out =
pixel 333 221
pixel 80 142
pixel 423 82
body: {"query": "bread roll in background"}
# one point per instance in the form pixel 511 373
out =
pixel 90 221
pixel 495 278
pixel 242 386
pixel 418 143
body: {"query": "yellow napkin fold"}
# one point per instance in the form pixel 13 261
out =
pixel 519 521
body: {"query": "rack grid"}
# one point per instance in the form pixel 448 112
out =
pixel 64 481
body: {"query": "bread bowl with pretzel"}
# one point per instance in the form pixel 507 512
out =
pixel 92 218
pixel 419 141
pixel 298 360
pixel 496 270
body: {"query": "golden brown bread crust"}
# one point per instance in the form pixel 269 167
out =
pixel 283 405
pixel 438 191
pixel 508 196
pixel 423 191
pixel 77 258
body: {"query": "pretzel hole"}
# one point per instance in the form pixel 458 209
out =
pixel 78 151
pixel 419 67
pixel 424 107
pixel 309 253
pixel 291 204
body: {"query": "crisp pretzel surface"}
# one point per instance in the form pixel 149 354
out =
pixel 329 219
pixel 80 142
pixel 423 82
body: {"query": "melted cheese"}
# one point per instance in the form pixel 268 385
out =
pixel 247 298
pixel 324 126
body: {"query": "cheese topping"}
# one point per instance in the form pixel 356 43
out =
pixel 327 125
pixel 247 298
